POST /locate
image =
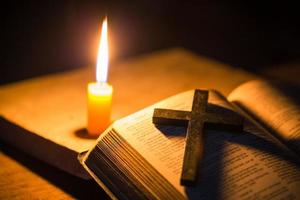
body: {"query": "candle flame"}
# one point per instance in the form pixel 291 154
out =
pixel 102 58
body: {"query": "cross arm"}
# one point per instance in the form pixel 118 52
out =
pixel 226 121
pixel 171 117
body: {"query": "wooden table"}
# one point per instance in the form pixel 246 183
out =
pixel 137 82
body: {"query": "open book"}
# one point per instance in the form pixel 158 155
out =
pixel 46 116
pixel 134 159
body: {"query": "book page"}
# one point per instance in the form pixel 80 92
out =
pixel 278 112
pixel 235 165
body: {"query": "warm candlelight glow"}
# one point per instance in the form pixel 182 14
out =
pixel 100 92
pixel 102 58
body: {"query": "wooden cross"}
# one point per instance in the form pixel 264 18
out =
pixel 196 120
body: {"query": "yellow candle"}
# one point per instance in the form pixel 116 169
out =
pixel 99 94
pixel 99 107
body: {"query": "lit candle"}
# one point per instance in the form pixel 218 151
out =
pixel 100 92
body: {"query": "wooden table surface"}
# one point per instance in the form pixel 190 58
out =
pixel 24 177
pixel 151 78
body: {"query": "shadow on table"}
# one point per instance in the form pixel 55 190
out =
pixel 76 187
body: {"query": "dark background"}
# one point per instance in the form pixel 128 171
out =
pixel 39 37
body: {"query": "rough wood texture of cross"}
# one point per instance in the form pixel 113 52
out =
pixel 196 121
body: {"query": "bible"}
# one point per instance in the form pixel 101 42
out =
pixel 46 116
pixel 134 159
